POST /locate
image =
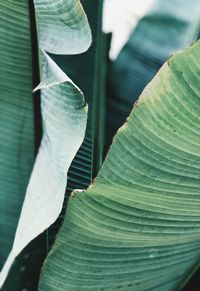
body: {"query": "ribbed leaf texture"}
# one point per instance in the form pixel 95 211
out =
pixel 16 117
pixel 83 69
pixel 168 27
pixel 63 108
pixel 138 226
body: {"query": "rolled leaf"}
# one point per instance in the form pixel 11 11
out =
pixel 63 26
pixel 64 116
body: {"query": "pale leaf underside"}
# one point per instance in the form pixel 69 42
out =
pixel 64 120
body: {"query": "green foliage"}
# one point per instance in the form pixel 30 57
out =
pixel 64 114
pixel 16 117
pixel 82 69
pixel 168 27
pixel 137 227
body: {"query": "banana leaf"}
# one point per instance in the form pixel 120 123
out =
pixel 64 118
pixel 16 117
pixel 137 227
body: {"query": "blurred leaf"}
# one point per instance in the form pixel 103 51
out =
pixel 120 18
pixel 169 26
pixel 138 226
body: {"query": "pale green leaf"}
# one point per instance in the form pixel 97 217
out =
pixel 63 26
pixel 64 116
pixel 138 226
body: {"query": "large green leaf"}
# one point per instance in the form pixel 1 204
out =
pixel 17 140
pixel 63 110
pixel 138 226
pixel 166 28
pixel 16 116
